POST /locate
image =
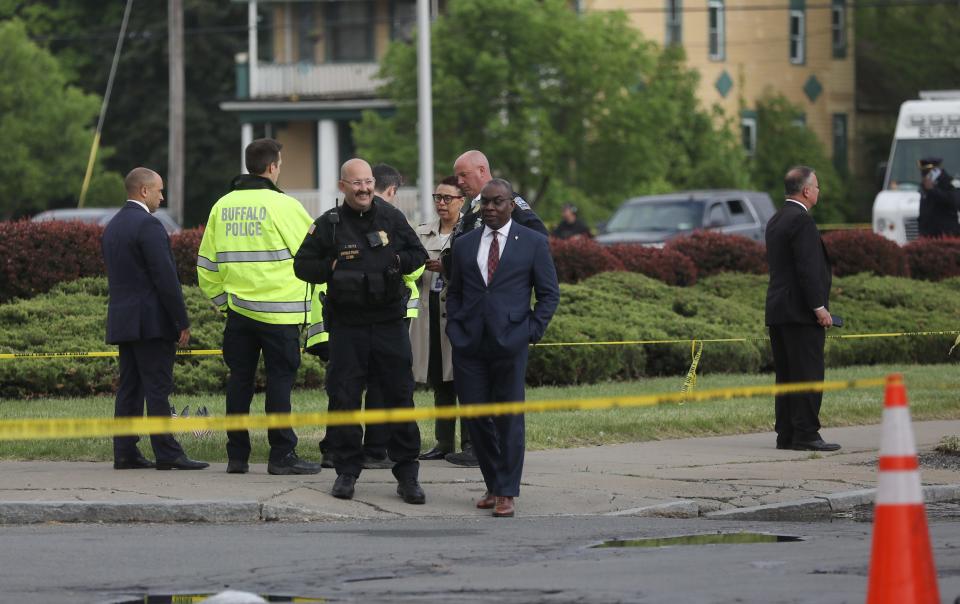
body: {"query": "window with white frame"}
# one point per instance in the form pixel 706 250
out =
pixel 716 37
pixel 838 28
pixel 797 37
pixel 674 35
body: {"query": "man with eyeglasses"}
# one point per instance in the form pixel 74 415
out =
pixel 375 436
pixel 361 249
pixel 495 269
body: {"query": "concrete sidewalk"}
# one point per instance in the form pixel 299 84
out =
pixel 728 476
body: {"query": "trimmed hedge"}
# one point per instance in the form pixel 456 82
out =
pixel 185 246
pixel 669 266
pixel 38 255
pixel 579 257
pixel 858 251
pixel 714 252
pixel 72 318
pixel 613 306
pixel 934 259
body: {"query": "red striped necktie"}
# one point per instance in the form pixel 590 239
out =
pixel 493 258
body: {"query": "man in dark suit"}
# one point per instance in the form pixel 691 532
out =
pixel 490 325
pixel 146 317
pixel 796 310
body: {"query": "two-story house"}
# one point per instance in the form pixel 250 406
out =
pixel 311 69
pixel 742 48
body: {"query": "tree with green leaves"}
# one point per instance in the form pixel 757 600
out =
pixel 783 142
pixel 46 125
pixel 567 106
pixel 83 36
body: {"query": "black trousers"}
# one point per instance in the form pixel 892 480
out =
pixel 798 357
pixel 499 441
pixel 444 393
pixel 146 372
pixel 376 436
pixel 243 340
pixel 356 353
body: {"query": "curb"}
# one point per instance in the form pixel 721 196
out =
pixel 34 512
pixel 821 508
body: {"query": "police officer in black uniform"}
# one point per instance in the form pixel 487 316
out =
pixel 939 200
pixel 361 250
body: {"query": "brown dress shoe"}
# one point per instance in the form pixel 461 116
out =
pixel 487 501
pixel 503 508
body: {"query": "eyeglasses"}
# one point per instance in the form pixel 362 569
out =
pixel 356 184
pixel 437 198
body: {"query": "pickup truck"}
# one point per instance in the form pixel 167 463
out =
pixel 655 219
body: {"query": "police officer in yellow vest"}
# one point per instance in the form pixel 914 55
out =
pixel 245 266
pixel 361 249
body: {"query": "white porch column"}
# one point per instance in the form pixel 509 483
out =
pixel 246 137
pixel 328 163
pixel 252 46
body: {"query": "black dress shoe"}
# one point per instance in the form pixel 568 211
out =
pixel 410 491
pixel 344 486
pixel 784 446
pixel 815 445
pixel 434 454
pixel 236 466
pixel 133 463
pixel 466 458
pixel 182 463
pixel 292 464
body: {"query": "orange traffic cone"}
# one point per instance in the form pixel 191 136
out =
pixel 901 562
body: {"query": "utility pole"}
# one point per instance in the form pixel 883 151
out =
pixel 424 110
pixel 175 146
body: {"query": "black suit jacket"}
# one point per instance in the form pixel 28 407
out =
pixel 800 270
pixel 146 301
pixel 501 311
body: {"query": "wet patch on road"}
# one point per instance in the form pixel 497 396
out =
pixel 701 539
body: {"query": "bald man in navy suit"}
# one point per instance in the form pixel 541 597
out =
pixel 146 318
pixel 495 269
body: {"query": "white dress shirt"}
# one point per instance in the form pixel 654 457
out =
pixel 141 204
pixel 486 240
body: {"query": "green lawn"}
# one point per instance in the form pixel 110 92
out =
pixel 932 390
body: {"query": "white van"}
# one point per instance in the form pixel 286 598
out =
pixel 929 127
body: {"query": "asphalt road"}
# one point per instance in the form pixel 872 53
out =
pixel 521 560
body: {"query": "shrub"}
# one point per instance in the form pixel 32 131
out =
pixel 934 259
pixel 38 255
pixel 185 246
pixel 579 258
pixel 714 252
pixel 861 251
pixel 72 318
pixel 669 266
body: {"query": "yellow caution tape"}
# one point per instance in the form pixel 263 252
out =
pixel 690 382
pixel 217 352
pixel 31 429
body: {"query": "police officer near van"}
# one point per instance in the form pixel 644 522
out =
pixel 361 249
pixel 939 200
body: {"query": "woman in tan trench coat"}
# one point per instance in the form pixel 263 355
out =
pixel 432 359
